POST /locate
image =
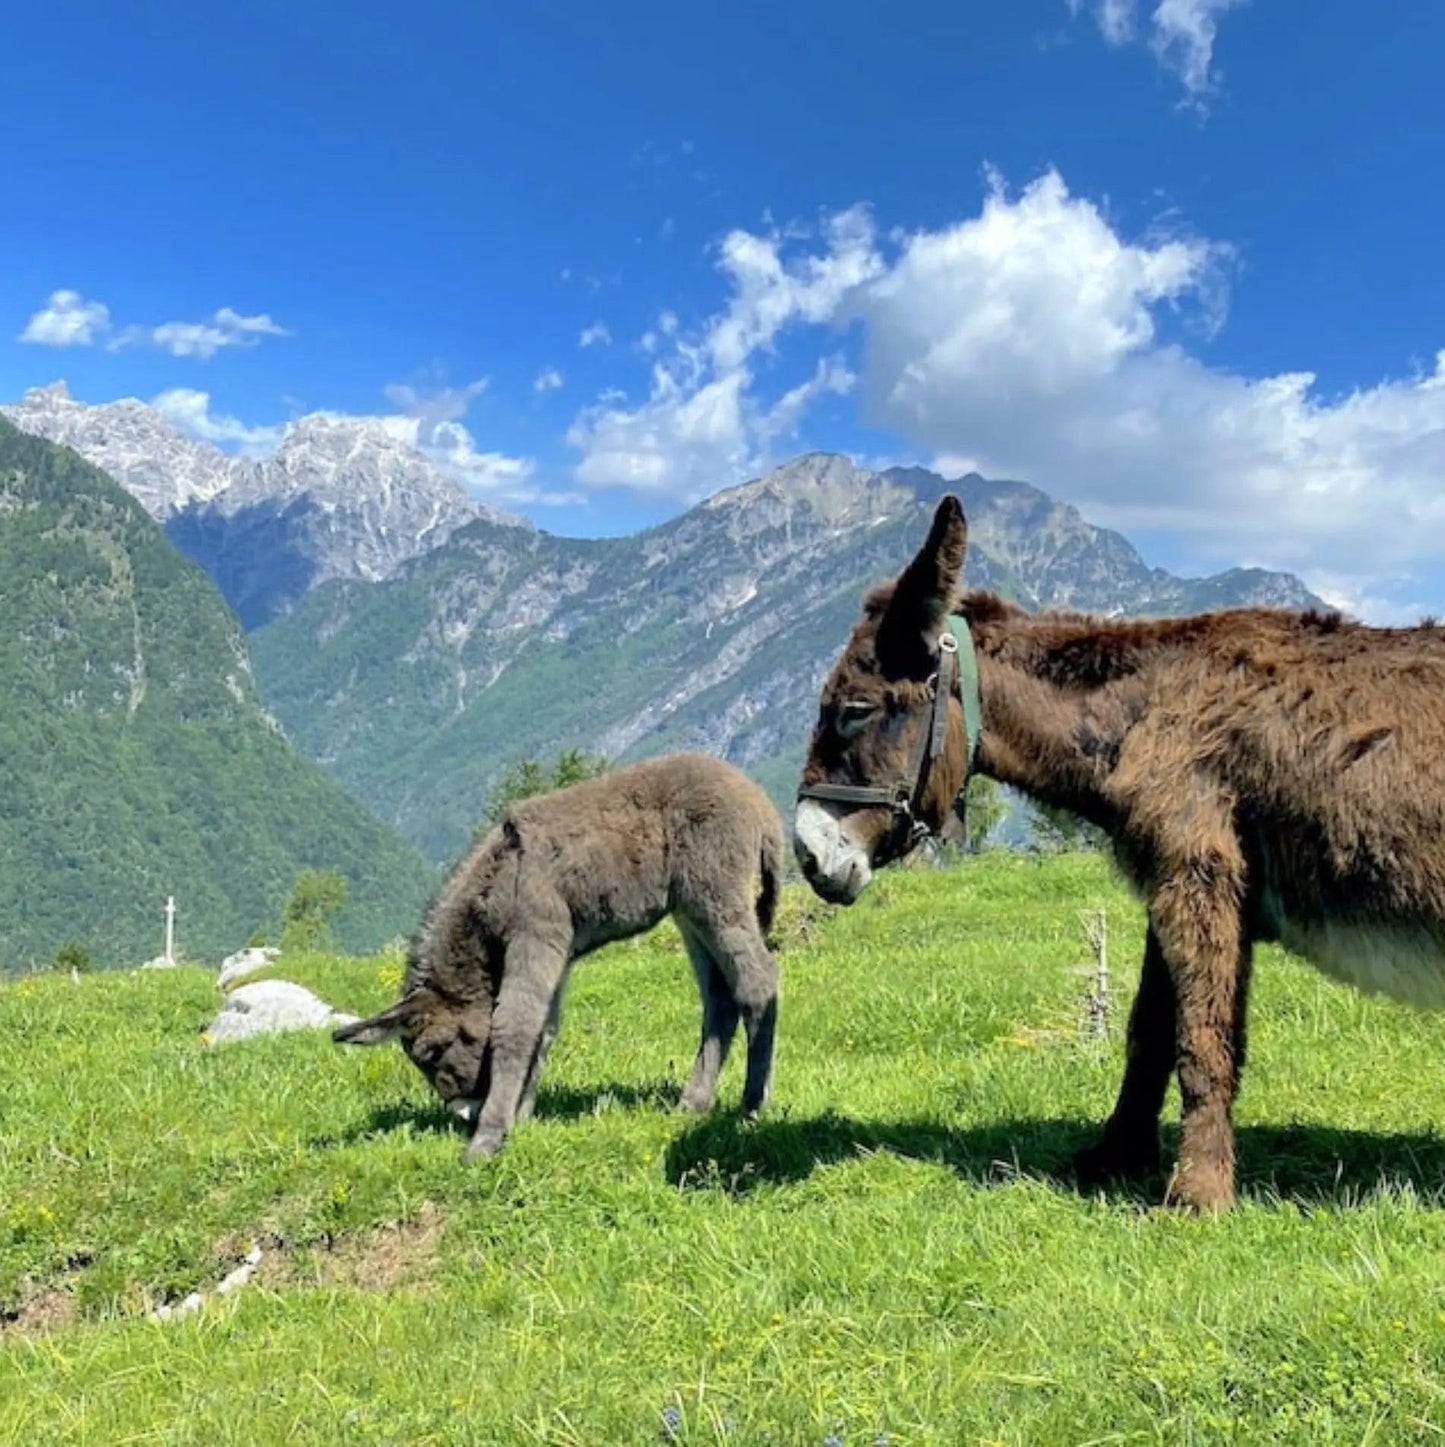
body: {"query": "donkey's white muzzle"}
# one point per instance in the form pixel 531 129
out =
pixel 832 863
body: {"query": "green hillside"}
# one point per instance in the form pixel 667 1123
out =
pixel 136 760
pixel 895 1247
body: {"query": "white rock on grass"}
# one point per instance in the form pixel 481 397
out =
pixel 270 1007
pixel 233 1282
pixel 245 962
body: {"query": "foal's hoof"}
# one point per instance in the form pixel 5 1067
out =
pixel 1117 1158
pixel 484 1144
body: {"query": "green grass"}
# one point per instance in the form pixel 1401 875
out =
pixel 895 1247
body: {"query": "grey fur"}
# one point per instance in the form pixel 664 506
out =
pixel 562 874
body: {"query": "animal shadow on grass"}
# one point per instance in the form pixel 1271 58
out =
pixel 554 1102
pixel 1310 1165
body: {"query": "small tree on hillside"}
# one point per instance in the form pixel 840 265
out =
pixel 73 958
pixel 315 900
pixel 984 809
pixel 1058 831
pixel 530 777
pixel 967 831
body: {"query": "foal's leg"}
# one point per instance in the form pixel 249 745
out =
pixel 736 943
pixel 531 979
pixel 1129 1143
pixel 1198 917
pixel 719 1023
pixel 528 1102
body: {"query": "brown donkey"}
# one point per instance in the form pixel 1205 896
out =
pixel 686 835
pixel 1262 775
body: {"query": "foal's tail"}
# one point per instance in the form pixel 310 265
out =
pixel 770 862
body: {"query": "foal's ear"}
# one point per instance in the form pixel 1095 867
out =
pixel 375 1031
pixel 926 586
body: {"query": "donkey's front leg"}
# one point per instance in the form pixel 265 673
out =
pixel 1129 1143
pixel 1197 915
pixel 531 977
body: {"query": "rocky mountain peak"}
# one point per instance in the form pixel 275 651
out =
pixel 162 468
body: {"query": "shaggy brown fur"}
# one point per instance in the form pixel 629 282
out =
pixel 563 873
pixel 1262 775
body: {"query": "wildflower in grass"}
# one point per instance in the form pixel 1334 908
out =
pixel 671 1423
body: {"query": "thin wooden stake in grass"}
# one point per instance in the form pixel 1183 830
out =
pixel 1096 1002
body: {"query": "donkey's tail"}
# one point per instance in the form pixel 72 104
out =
pixel 771 864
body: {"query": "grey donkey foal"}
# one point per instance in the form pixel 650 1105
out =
pixel 565 872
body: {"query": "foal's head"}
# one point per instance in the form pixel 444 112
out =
pixel 875 705
pixel 445 1039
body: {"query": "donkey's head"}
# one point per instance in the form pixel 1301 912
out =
pixel 871 783
pixel 445 1039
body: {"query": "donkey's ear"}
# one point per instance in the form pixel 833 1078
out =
pixel 926 586
pixel 932 576
pixel 375 1031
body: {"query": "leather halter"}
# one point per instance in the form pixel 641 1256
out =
pixel 957 670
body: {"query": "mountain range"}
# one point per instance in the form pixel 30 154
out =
pixel 337 498
pixel 712 631
pixel 417 644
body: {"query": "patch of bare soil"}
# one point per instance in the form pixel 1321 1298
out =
pixel 397 1254
pixel 47 1311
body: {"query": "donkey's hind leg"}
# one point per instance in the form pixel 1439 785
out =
pixel 737 945
pixel 531 978
pixel 719 1023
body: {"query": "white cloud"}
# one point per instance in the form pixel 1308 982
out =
pixel 227 328
pixel 67 320
pixel 436 404
pixel 430 421
pixel 1036 340
pixel 1026 340
pixel 1181 35
pixel 685 439
pixel 1183 39
pixel 489 476
pixel 702 426
pixel 549 379
pixel 190 410
pixel 597 335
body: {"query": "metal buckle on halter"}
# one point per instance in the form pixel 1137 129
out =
pixel 947 643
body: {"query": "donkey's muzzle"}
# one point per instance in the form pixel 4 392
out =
pixel 836 868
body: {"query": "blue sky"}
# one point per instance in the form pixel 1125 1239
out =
pixel 1176 261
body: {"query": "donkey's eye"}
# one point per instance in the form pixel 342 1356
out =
pixel 853 714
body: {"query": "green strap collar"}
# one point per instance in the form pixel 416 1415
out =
pixel 968 692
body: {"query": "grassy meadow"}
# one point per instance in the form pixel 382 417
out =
pixel 894 1252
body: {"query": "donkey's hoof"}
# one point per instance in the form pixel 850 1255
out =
pixel 1118 1157
pixel 483 1144
pixel 689 1104
pixel 1201 1190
